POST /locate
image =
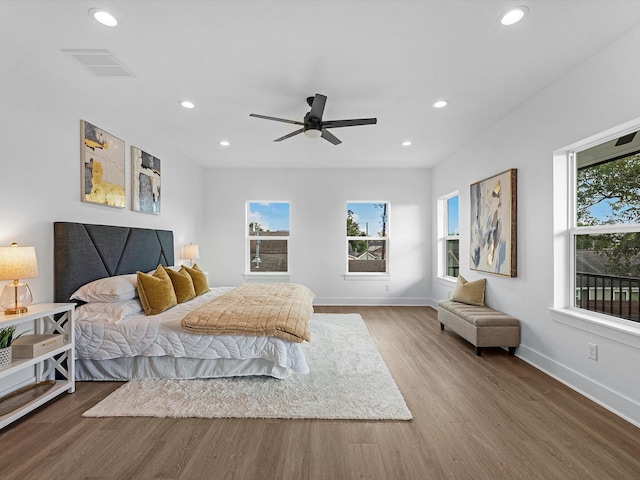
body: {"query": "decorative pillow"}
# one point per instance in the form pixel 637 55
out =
pixel 107 312
pixel 471 293
pixel 109 289
pixel 182 285
pixel 156 291
pixel 200 282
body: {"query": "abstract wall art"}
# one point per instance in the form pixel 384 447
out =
pixel 145 180
pixel 102 169
pixel 493 246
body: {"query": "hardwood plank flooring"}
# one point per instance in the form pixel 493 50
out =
pixel 490 417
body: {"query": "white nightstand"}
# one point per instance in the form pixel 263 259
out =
pixel 46 318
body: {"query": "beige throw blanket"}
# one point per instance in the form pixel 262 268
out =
pixel 264 309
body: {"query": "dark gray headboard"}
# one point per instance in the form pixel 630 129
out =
pixel 85 252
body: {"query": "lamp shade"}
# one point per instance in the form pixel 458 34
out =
pixel 18 262
pixel 191 251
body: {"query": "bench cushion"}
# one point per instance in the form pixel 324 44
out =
pixel 478 316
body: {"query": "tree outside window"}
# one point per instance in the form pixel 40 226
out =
pixel 367 237
pixel 606 235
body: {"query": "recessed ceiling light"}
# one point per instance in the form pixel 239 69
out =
pixel 513 16
pixel 225 143
pixel 103 17
pixel 187 104
pixel 406 143
pixel 440 104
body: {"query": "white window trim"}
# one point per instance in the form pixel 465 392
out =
pixel 386 275
pixel 442 215
pixel 373 276
pixel 564 229
pixel 264 275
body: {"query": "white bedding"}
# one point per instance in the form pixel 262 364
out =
pixel 161 336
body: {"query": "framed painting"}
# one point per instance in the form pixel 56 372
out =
pixel 145 182
pixel 102 169
pixel 494 224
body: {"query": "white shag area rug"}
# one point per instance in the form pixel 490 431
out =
pixel 348 380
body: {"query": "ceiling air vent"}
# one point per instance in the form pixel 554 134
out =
pixel 102 63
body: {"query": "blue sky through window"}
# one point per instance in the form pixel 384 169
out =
pixel 272 216
pixel 452 216
pixel 368 217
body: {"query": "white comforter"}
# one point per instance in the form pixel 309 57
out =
pixel 160 335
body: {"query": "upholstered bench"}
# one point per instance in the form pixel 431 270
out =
pixel 467 315
pixel 481 326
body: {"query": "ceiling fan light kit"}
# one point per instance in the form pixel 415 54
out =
pixel 312 133
pixel 313 126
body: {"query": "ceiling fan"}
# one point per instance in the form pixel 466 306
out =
pixel 313 126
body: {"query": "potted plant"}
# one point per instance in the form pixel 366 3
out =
pixel 6 339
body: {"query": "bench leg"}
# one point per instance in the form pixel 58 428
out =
pixel 441 326
pixel 478 351
pixel 512 351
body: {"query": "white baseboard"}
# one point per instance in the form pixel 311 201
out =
pixel 624 407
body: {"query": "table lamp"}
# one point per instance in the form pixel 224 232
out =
pixel 191 252
pixel 16 263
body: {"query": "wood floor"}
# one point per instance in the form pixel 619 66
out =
pixel 490 417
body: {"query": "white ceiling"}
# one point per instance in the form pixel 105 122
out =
pixel 384 59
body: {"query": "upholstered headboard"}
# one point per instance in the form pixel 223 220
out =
pixel 85 252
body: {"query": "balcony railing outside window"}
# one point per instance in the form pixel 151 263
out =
pixel 609 294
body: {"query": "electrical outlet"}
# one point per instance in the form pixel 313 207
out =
pixel 388 287
pixel 592 351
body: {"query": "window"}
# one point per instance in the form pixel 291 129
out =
pixel 448 236
pixel 268 237
pixel 367 237
pixel 605 233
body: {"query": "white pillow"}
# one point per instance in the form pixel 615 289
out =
pixel 109 289
pixel 107 312
pixel 172 267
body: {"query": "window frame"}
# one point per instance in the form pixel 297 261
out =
pixel 620 331
pixel 384 238
pixel 249 238
pixel 575 230
pixel 443 235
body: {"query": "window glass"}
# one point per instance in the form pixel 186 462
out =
pixel 609 192
pixel 448 236
pixel 268 217
pixel 367 231
pixel 607 278
pixel 268 237
pixel 606 234
pixel 452 216
pixel 452 263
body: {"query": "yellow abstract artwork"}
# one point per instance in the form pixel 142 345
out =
pixel 103 176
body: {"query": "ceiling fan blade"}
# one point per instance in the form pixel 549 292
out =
pixel 276 119
pixel 330 137
pixel 349 123
pixel 317 107
pixel 289 135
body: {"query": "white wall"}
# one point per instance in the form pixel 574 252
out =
pixel 317 251
pixel 595 97
pixel 40 171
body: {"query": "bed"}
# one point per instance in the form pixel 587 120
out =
pixel 116 341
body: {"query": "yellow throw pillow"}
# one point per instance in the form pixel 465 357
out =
pixel 471 293
pixel 156 291
pixel 199 279
pixel 182 285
